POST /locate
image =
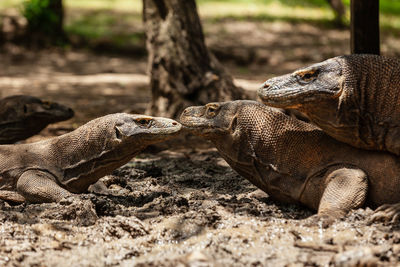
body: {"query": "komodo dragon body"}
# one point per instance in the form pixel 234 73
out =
pixel 355 99
pixel 294 161
pixel 49 170
pixel 22 116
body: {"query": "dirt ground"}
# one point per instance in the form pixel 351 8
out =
pixel 183 206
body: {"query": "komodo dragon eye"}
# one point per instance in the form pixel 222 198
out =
pixel 211 111
pixel 305 77
pixel 46 104
pixel 144 122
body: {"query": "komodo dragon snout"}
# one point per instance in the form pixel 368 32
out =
pixel 51 169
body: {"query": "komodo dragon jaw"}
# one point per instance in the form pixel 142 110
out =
pixel 306 85
pixel 22 116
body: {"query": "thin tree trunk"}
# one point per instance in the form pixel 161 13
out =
pixel 183 72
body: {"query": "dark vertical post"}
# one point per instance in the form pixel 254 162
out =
pixel 365 26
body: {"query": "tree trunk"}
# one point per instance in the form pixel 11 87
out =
pixel 183 72
pixel 57 7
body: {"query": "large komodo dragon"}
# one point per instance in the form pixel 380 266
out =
pixel 51 169
pixel 22 116
pixel 295 162
pixel 355 99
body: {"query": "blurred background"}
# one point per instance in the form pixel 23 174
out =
pixel 91 54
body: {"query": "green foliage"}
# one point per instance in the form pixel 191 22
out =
pixel 40 16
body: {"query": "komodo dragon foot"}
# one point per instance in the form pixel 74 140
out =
pixel 386 213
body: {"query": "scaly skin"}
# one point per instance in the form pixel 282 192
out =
pixel 49 170
pixel 23 116
pixel 355 99
pixel 294 161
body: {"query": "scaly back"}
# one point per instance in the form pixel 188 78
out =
pixel 373 86
pixel 293 146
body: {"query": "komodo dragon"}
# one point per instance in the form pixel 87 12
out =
pixel 355 99
pixel 22 116
pixel 295 162
pixel 51 169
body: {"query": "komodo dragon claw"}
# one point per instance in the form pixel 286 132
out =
pixel 388 213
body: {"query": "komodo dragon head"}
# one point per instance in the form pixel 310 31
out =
pixel 310 85
pixel 212 120
pixel 321 92
pixel 143 128
pixel 22 116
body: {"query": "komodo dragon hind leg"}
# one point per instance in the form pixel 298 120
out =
pixel 11 196
pixel 38 186
pixel 346 190
pixel 386 213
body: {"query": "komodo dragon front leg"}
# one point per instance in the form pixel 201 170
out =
pixel 37 187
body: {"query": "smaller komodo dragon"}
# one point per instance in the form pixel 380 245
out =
pixel 51 169
pixel 295 162
pixel 23 116
pixel 355 99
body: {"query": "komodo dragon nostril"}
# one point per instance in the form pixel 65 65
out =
pixel 174 123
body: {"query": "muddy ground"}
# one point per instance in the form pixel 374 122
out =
pixel 183 206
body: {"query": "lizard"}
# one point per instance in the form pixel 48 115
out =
pixel 22 116
pixel 296 162
pixel 58 167
pixel 353 98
